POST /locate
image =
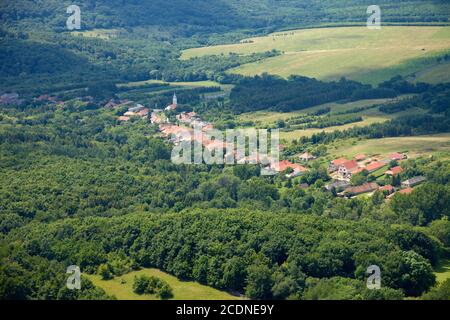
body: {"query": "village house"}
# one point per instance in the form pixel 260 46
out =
pixel 374 166
pixel 306 157
pixel 397 156
pixel 388 189
pixel 137 108
pixel 338 185
pixel 296 168
pixel 111 104
pixel 155 118
pixel 413 182
pixel 186 117
pixel 348 168
pixel 10 99
pixel 394 171
pixel 365 188
pixel 207 127
pixel 360 157
pixel 143 113
pixel 334 165
pixel 403 191
pixel 124 118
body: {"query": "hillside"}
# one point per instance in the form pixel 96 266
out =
pixel 121 287
pixel 155 32
pixel 370 56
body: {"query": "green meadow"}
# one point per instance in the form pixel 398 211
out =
pixel 122 287
pixel 357 53
pixel 442 271
pixel 414 146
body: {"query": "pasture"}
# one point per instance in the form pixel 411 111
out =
pixel 122 287
pixel 369 56
pixel 414 146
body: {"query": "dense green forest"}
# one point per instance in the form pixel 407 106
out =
pixel 78 187
pixel 39 55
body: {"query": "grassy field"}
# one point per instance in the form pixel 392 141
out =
pixel 196 84
pixel 329 53
pixel 122 287
pixel 369 116
pixel 415 146
pixel 269 117
pixel 442 271
pixel 436 74
pixel 367 120
pixel 104 34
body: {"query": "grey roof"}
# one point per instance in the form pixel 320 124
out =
pixel 414 180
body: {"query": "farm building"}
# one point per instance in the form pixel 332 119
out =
pixel 365 188
pixel 413 182
pixel 397 156
pixel 306 157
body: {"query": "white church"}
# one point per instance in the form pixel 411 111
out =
pixel 174 104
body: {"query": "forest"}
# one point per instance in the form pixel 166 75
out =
pixel 79 187
pixel 76 188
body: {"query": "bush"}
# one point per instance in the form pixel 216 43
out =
pixel 152 285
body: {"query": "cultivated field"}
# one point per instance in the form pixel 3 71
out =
pixel 269 117
pixel 369 116
pixel 122 287
pixel 415 146
pixel 358 53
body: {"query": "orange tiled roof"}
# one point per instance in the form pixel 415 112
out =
pixel 395 171
pixel 338 162
pixel 374 166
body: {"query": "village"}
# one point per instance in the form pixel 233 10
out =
pixel 341 170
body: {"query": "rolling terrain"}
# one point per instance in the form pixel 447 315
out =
pixel 369 56
pixel 121 287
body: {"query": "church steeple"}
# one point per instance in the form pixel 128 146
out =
pixel 174 100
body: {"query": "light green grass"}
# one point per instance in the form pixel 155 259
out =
pixel 193 84
pixel 415 146
pixel 442 271
pixel 104 34
pixel 330 53
pixel 268 117
pixel 367 120
pixel 436 74
pixel 182 290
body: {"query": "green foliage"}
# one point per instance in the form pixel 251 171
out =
pixel 338 288
pixel 441 292
pixel 152 285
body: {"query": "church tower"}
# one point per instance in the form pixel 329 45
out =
pixel 174 100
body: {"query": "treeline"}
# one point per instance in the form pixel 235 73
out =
pixel 295 93
pixel 249 252
pixel 274 93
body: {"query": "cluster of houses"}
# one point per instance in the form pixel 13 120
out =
pixel 342 169
pixel 11 99
pixel 137 111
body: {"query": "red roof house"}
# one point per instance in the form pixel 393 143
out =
pixel 397 156
pixel 388 188
pixel 394 171
pixel 374 166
